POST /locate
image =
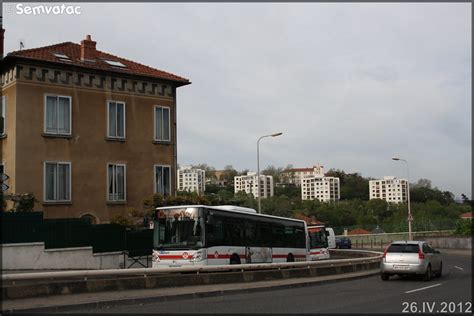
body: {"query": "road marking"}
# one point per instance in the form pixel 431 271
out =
pixel 423 288
pixel 459 268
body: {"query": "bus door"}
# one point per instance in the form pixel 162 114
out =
pixel 258 242
pixel 258 254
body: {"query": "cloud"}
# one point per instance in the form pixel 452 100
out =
pixel 350 85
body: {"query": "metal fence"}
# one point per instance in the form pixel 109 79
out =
pixel 378 241
pixel 73 232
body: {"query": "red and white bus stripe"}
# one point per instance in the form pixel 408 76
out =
pixel 227 256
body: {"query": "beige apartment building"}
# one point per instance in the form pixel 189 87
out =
pixel 248 184
pixel 320 187
pixel 390 189
pixel 192 180
pixel 88 133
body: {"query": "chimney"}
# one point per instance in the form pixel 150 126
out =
pixel 88 51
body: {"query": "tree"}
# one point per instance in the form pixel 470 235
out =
pixel 353 185
pixel 424 194
pixel 288 191
pixel 22 202
pixel 229 174
pixel 423 183
pixel 210 171
pixel 212 188
pixel 286 175
pixel 379 209
pixel 184 198
pixel 274 172
pixel 243 172
pixel 465 199
pixel 225 195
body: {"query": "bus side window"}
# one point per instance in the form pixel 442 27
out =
pixel 232 231
pixel 289 237
pixel 215 233
pixel 299 237
pixel 250 232
pixel 264 234
pixel 278 234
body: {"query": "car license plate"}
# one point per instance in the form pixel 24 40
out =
pixel 401 267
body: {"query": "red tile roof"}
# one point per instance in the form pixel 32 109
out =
pixel 466 215
pixel 302 169
pixel 308 220
pixel 73 51
pixel 358 231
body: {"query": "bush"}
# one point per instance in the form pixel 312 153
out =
pixel 121 219
pixel 158 200
pixel 464 227
pixel 23 202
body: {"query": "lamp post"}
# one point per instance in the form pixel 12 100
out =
pixel 410 217
pixel 258 166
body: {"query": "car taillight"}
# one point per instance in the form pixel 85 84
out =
pixel 385 253
pixel 420 254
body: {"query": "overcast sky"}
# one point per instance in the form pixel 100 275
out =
pixel 349 85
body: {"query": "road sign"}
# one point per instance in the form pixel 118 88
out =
pixel 4 177
pixel 4 187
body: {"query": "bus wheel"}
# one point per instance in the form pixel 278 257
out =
pixel 290 258
pixel 234 259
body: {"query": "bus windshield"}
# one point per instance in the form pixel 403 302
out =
pixel 318 237
pixel 178 229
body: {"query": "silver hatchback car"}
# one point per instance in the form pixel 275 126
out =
pixel 411 257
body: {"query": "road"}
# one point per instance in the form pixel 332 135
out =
pixel 451 292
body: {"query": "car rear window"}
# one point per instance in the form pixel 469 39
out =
pixel 403 248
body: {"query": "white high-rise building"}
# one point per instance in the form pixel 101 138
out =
pixel 317 186
pixel 390 189
pixel 192 180
pixel 248 184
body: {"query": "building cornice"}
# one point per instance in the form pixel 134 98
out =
pixel 76 77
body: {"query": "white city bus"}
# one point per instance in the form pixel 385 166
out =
pixel 318 242
pixel 212 235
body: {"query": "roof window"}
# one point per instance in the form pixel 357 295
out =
pixel 115 63
pixel 62 56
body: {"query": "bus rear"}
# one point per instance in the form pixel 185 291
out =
pixel 318 248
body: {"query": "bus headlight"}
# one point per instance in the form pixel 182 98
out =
pixel 155 256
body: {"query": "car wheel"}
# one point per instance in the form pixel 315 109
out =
pixel 427 276
pixel 385 276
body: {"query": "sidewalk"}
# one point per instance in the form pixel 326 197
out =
pixel 102 299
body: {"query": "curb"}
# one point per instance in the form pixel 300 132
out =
pixel 172 297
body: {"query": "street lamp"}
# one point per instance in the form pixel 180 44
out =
pixel 258 166
pixel 410 217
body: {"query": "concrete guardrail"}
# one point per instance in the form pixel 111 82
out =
pixel 24 285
